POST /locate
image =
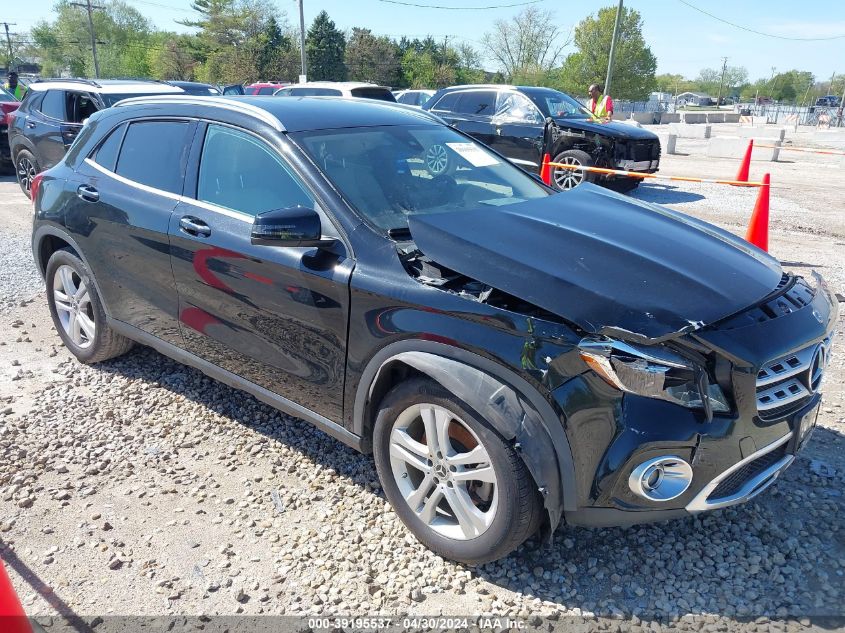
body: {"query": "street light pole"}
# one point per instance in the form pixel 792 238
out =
pixel 304 76
pixel 612 49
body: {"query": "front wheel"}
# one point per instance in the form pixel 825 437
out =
pixel 452 479
pixel 565 179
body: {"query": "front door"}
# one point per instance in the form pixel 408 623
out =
pixel 275 316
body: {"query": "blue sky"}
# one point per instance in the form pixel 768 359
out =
pixel 683 39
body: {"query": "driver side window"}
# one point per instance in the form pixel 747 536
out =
pixel 240 172
pixel 517 108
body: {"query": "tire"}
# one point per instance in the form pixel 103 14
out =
pixel 77 310
pixel 500 510
pixel 26 168
pixel 566 179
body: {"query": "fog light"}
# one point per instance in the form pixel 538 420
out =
pixel 661 478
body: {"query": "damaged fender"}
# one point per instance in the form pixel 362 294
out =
pixel 508 403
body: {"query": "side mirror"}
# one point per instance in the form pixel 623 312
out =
pixel 291 227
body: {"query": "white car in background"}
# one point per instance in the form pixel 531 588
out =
pixel 413 97
pixel 349 89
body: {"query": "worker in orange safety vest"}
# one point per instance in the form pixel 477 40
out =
pixel 600 106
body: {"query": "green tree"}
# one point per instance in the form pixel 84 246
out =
pixel 326 47
pixel 527 46
pixel 371 58
pixel 709 79
pixel 170 57
pixel 634 63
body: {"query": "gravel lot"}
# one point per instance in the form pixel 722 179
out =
pixel 140 486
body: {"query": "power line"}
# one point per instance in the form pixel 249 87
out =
pixel 437 6
pixel 778 37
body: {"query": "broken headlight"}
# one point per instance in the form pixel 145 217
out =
pixel 655 373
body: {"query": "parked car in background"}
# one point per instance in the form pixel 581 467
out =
pixel 195 88
pixel 413 97
pixel 231 89
pixel 524 123
pixel 52 113
pixel 8 104
pixel 350 89
pixel 263 87
pixel 829 101
pixel 513 358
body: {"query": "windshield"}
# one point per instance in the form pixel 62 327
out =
pixel 390 172
pixel 559 105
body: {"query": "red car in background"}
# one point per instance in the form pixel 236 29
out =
pixel 8 104
pixel 264 87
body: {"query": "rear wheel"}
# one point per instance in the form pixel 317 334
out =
pixel 565 179
pixel 454 482
pixel 26 168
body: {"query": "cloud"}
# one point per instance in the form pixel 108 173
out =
pixel 805 29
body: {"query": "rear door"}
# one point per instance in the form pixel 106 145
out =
pixel 44 129
pixel 276 316
pixel 123 195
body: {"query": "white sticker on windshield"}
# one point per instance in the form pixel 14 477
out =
pixel 473 154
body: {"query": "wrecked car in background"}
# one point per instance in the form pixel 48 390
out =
pixel 513 358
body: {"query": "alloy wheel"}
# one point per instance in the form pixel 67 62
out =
pixel 443 471
pixel 566 179
pixel 26 172
pixel 73 306
pixel 436 159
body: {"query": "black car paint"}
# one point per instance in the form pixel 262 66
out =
pixel 526 143
pixel 359 320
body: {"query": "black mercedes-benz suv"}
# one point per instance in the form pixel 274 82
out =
pixel 525 122
pixel 512 357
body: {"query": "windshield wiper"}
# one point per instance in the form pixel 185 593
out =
pixel 399 233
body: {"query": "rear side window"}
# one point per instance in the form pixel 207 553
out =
pixel 315 92
pixel 53 105
pixel 379 94
pixel 447 102
pixel 106 154
pixel 153 154
pixel 238 171
pixel 480 102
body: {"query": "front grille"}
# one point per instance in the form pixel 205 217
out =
pixel 734 482
pixel 644 150
pixel 785 384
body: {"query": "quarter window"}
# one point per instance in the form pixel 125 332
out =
pixel 53 105
pixel 153 154
pixel 239 172
pixel 106 154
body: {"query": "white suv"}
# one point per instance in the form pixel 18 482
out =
pixel 349 89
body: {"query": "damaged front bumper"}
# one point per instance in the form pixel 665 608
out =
pixel 778 348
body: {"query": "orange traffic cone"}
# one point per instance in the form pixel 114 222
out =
pixel 758 228
pixel 12 615
pixel 545 170
pixel 745 165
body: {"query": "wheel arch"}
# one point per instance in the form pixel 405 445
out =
pixel 508 402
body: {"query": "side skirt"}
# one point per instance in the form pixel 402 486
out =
pixel 233 380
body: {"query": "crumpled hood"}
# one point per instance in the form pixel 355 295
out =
pixel 603 261
pixel 612 129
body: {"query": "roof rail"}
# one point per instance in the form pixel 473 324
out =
pixel 225 103
pixel 80 80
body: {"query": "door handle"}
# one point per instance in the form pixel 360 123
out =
pixel 194 226
pixel 88 193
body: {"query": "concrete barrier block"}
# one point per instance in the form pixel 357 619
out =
pixel 734 147
pixel 670 117
pixel 694 117
pixel 667 142
pixel 643 117
pixel 731 117
pixel 619 116
pixel 715 117
pixel 776 133
pixel 684 130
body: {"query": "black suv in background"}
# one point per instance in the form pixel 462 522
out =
pixel 52 113
pixel 512 357
pixel 524 123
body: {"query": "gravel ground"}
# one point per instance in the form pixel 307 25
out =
pixel 141 487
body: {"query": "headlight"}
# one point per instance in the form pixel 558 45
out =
pixel 655 373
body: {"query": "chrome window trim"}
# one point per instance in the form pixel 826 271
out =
pixel 215 101
pixel 750 488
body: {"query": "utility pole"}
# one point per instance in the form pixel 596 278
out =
pixel 304 76
pixel 722 80
pixel 612 49
pixel 90 9
pixel 9 42
pixel 830 87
